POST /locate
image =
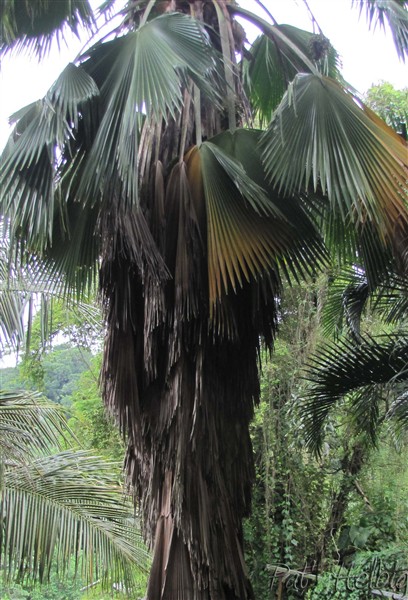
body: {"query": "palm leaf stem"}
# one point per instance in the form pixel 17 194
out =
pixel 197 115
pixel 267 29
pixel 228 65
pixel 147 12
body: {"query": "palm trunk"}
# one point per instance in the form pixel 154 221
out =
pixel 190 459
pixel 194 476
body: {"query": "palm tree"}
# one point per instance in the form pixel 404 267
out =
pixel 142 167
pixel 58 504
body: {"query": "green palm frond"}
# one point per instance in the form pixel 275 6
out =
pixel 350 292
pixel 253 194
pixel 360 370
pixel 398 410
pixel 392 300
pixel 29 162
pixel 273 66
pixel 321 137
pixel 12 308
pixel 239 246
pixel 377 255
pixel 15 295
pixel 276 33
pixel 392 12
pixel 56 504
pixel 31 288
pixel 30 426
pixel 12 323
pixel 65 505
pixel 32 24
pixel 354 299
pixel 292 219
pixel 362 245
pixel 81 141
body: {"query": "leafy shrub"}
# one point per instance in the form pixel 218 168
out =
pixel 386 570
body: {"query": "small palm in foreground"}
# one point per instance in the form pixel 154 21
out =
pixel 58 504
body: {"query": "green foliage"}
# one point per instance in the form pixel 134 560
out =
pixel 62 368
pixel 296 495
pixel 54 372
pixel 385 483
pixel 386 570
pixel 68 589
pixel 33 25
pixel 60 508
pixel 191 280
pixel 10 379
pixel 89 420
pixel 54 590
pixel 390 104
pixel 51 367
pixel 291 492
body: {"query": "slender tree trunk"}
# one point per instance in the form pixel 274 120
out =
pixel 352 464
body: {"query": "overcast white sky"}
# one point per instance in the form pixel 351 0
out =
pixel 367 57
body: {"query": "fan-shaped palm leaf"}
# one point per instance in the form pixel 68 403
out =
pixel 274 65
pixel 146 77
pixel 39 194
pixel 274 33
pixel 321 136
pixel 291 220
pixel 250 230
pixel 29 161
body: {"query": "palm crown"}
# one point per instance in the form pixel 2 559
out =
pixel 142 166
